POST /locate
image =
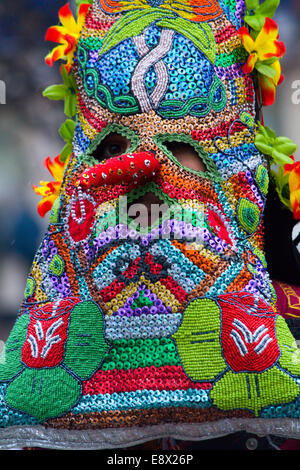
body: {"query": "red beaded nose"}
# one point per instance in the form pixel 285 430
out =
pixel 134 168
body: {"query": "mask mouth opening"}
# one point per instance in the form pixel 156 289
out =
pixel 147 206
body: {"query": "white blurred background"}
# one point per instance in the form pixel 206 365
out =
pixel 29 130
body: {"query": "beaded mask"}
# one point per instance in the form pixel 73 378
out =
pixel 140 324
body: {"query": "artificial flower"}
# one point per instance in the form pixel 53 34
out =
pixel 50 189
pixel 66 35
pixel 293 171
pixel 264 47
pixel 257 11
pixel 268 84
pixel 264 52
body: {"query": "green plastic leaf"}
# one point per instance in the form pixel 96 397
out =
pixel 67 129
pixel 256 22
pixel 252 4
pixel 254 391
pixel 198 340
pixel 257 12
pixel 10 358
pixel 290 353
pixel 70 105
pixel 281 158
pixel 285 145
pixel 268 8
pixel 86 345
pixel 263 147
pixel 65 76
pixel 265 69
pixel 66 152
pixel 267 132
pixel 43 393
pixel 55 92
pixel 79 2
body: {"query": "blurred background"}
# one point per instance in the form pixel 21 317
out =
pixel 29 129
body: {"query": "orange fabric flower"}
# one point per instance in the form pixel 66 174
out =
pixel 266 46
pixel 294 186
pixel 66 35
pixel 268 85
pixel 50 189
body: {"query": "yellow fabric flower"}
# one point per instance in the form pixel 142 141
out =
pixel 266 46
pixel 67 34
pixel 50 189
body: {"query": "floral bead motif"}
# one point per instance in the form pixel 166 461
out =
pixel 51 350
pixel 243 346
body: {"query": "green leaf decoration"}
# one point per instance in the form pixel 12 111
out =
pixel 279 149
pixel 255 22
pixel 267 132
pixel 290 353
pixel 43 393
pixel 70 105
pixel 248 215
pixel 66 91
pixel 79 2
pixel 67 129
pixel 265 69
pixel 257 12
pixel 86 345
pixel 285 146
pixel 71 93
pixel 254 391
pixel 198 340
pixel 262 146
pixel 10 358
pixel 66 152
pixel 55 92
pixel 252 4
pixel 134 23
pixel 268 7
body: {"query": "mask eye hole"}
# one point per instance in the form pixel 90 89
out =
pixel 186 155
pixel 111 146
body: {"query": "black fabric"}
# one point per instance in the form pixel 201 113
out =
pixel 281 254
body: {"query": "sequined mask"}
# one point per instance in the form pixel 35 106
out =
pixel 136 322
